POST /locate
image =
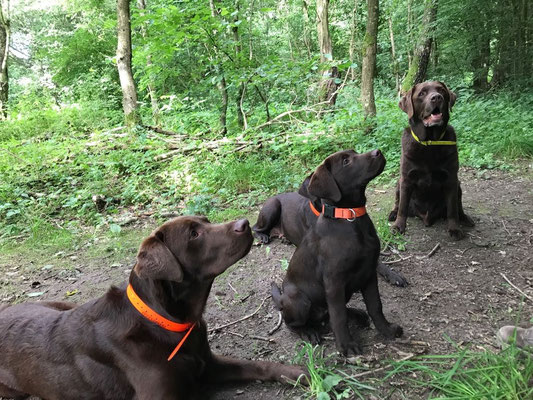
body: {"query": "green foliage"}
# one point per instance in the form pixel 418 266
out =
pixel 468 374
pixel 327 382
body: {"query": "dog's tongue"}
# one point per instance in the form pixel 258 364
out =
pixel 433 118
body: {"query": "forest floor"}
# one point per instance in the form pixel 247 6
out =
pixel 461 294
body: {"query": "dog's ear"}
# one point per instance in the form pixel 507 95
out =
pixel 323 185
pixel 451 94
pixel 406 103
pixel 304 188
pixel 156 261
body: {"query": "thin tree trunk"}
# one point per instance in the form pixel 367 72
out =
pixel 306 33
pixel 369 59
pixel 129 93
pixel 151 85
pixel 351 49
pixel 5 39
pixel 394 60
pixel 418 68
pixel 328 86
pixel 221 84
pixel 238 48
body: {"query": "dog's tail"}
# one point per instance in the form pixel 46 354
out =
pixel 276 295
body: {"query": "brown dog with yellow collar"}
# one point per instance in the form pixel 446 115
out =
pixel 145 340
pixel 429 187
pixel 337 251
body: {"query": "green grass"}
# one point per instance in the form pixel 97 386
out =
pixel 52 169
pixel 467 374
pixel 326 380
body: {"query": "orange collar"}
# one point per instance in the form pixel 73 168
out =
pixel 158 319
pixel 349 214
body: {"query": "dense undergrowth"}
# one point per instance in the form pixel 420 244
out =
pixel 72 167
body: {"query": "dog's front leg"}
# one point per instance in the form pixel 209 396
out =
pixel 222 369
pixel 406 189
pixel 375 310
pixel 452 211
pixel 338 315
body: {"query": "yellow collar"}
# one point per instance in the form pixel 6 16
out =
pixel 434 142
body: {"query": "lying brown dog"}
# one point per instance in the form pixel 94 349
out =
pixel 337 254
pixel 120 346
pixel 428 185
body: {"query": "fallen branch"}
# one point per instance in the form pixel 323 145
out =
pixel 433 250
pixel 263 338
pixel 164 132
pixel 408 357
pixel 397 261
pixel 270 332
pixel 288 112
pixel 517 288
pixel 216 328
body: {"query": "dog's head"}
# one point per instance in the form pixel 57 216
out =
pixel 192 248
pixel 428 102
pixel 343 176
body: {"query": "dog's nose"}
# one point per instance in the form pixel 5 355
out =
pixel 375 153
pixel 241 225
pixel 436 97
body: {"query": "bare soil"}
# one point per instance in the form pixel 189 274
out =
pixel 461 292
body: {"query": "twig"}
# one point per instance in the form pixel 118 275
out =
pixel 517 288
pixel 263 338
pixel 396 261
pixel 434 250
pixel 216 328
pixel 408 357
pixel 235 334
pixel 270 332
pixel 232 288
pixel 504 227
pixel 288 112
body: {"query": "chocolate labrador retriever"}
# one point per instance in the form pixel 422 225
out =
pixel 290 215
pixel 120 346
pixel 337 254
pixel 428 185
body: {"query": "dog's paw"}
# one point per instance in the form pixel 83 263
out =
pixel 467 221
pixel 398 227
pixel 456 233
pixel 350 348
pixel 392 331
pixel 311 336
pixel 263 237
pixel 392 216
pixel 295 373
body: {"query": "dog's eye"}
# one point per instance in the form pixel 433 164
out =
pixel 194 234
pixel 422 93
pixel 345 161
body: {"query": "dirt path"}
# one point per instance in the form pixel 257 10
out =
pixel 460 292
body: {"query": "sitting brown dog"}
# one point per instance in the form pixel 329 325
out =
pixel 120 346
pixel 428 185
pixel 337 254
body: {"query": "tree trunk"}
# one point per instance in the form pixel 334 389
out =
pixel 394 60
pixel 369 59
pixel 151 86
pixel 221 85
pixel 418 68
pixel 353 29
pixel 129 93
pixel 238 48
pixel 328 87
pixel 306 33
pixel 5 36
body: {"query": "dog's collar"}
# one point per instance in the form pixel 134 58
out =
pixel 434 142
pixel 349 214
pixel 158 319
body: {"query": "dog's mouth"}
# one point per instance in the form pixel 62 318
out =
pixel 435 118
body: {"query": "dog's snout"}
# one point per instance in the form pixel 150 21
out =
pixel 436 97
pixel 375 153
pixel 241 225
